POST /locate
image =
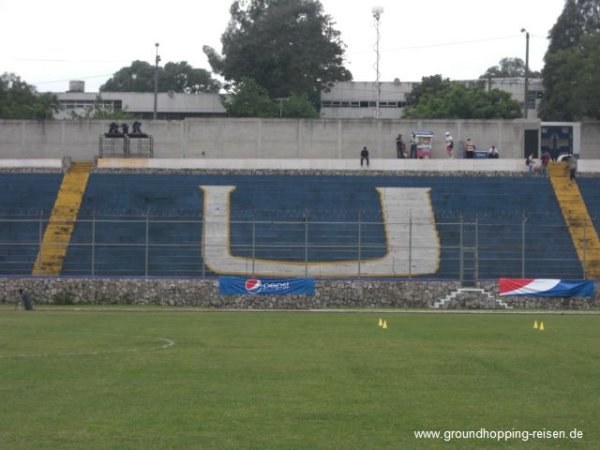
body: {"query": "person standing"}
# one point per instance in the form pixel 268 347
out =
pixel 25 300
pixel 545 159
pixel 449 144
pixel 364 156
pixel 400 147
pixel 470 149
pixel 529 163
pixel 572 167
pixel 413 147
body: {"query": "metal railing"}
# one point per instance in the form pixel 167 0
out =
pixel 126 146
pixel 149 245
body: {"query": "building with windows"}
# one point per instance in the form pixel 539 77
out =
pixel 345 100
pixel 76 103
pixel 357 99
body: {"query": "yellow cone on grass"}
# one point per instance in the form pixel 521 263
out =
pixel 541 326
pixel 380 322
pixel 535 325
pixel 384 326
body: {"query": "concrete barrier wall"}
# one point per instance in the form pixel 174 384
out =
pixel 273 138
pixel 379 165
pixel 256 138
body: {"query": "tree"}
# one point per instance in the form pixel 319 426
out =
pixel 431 85
pixel 509 68
pixel 286 46
pixel 298 106
pixel 579 18
pixel 571 82
pixel 177 77
pixel 454 100
pixel 248 99
pixel 19 100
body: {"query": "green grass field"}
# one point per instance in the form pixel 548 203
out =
pixel 223 380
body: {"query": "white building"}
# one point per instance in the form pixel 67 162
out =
pixel 76 103
pixel 357 99
pixel 345 100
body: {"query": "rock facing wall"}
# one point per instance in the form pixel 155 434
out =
pixel 329 294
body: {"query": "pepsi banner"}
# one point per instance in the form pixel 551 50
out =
pixel 266 286
pixel 539 287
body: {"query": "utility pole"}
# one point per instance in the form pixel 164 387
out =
pixel 156 61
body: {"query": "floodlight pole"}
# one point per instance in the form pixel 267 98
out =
pixel 156 61
pixel 523 30
pixel 377 12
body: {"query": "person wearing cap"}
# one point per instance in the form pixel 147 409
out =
pixel 449 144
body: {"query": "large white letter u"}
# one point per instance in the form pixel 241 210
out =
pixel 411 235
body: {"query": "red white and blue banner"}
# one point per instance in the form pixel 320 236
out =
pixel 267 286
pixel 540 287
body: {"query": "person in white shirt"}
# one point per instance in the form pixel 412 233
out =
pixel 493 152
pixel 449 144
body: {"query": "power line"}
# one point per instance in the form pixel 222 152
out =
pixel 448 44
pixel 73 78
pixel 70 61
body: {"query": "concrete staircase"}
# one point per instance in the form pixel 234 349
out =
pixel 57 236
pixel 580 225
pixel 472 298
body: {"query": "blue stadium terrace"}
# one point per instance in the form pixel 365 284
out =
pixel 170 218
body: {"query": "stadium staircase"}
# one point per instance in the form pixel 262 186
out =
pixel 471 298
pixel 57 236
pixel 578 220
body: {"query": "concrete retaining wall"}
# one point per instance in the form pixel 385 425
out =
pixel 267 138
pixel 329 294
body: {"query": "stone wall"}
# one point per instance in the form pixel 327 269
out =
pixel 204 293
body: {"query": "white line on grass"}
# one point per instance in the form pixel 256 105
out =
pixel 166 344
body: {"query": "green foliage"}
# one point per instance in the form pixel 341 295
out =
pixel 438 98
pixel 177 77
pixel 248 99
pixel 509 68
pixel 19 100
pixel 572 82
pixel 579 18
pixel 287 46
pixel 431 85
pixel 299 106
pixel 571 79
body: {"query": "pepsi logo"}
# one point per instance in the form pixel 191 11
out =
pixel 253 286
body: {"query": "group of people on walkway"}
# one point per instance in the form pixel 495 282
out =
pixel 545 160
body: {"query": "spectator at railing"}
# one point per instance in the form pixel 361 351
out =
pixel 136 131
pixel 113 130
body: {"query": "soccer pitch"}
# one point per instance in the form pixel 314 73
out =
pixel 173 379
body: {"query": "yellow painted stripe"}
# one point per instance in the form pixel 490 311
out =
pixel 578 220
pixel 57 236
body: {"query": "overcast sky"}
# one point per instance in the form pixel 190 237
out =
pixel 49 42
